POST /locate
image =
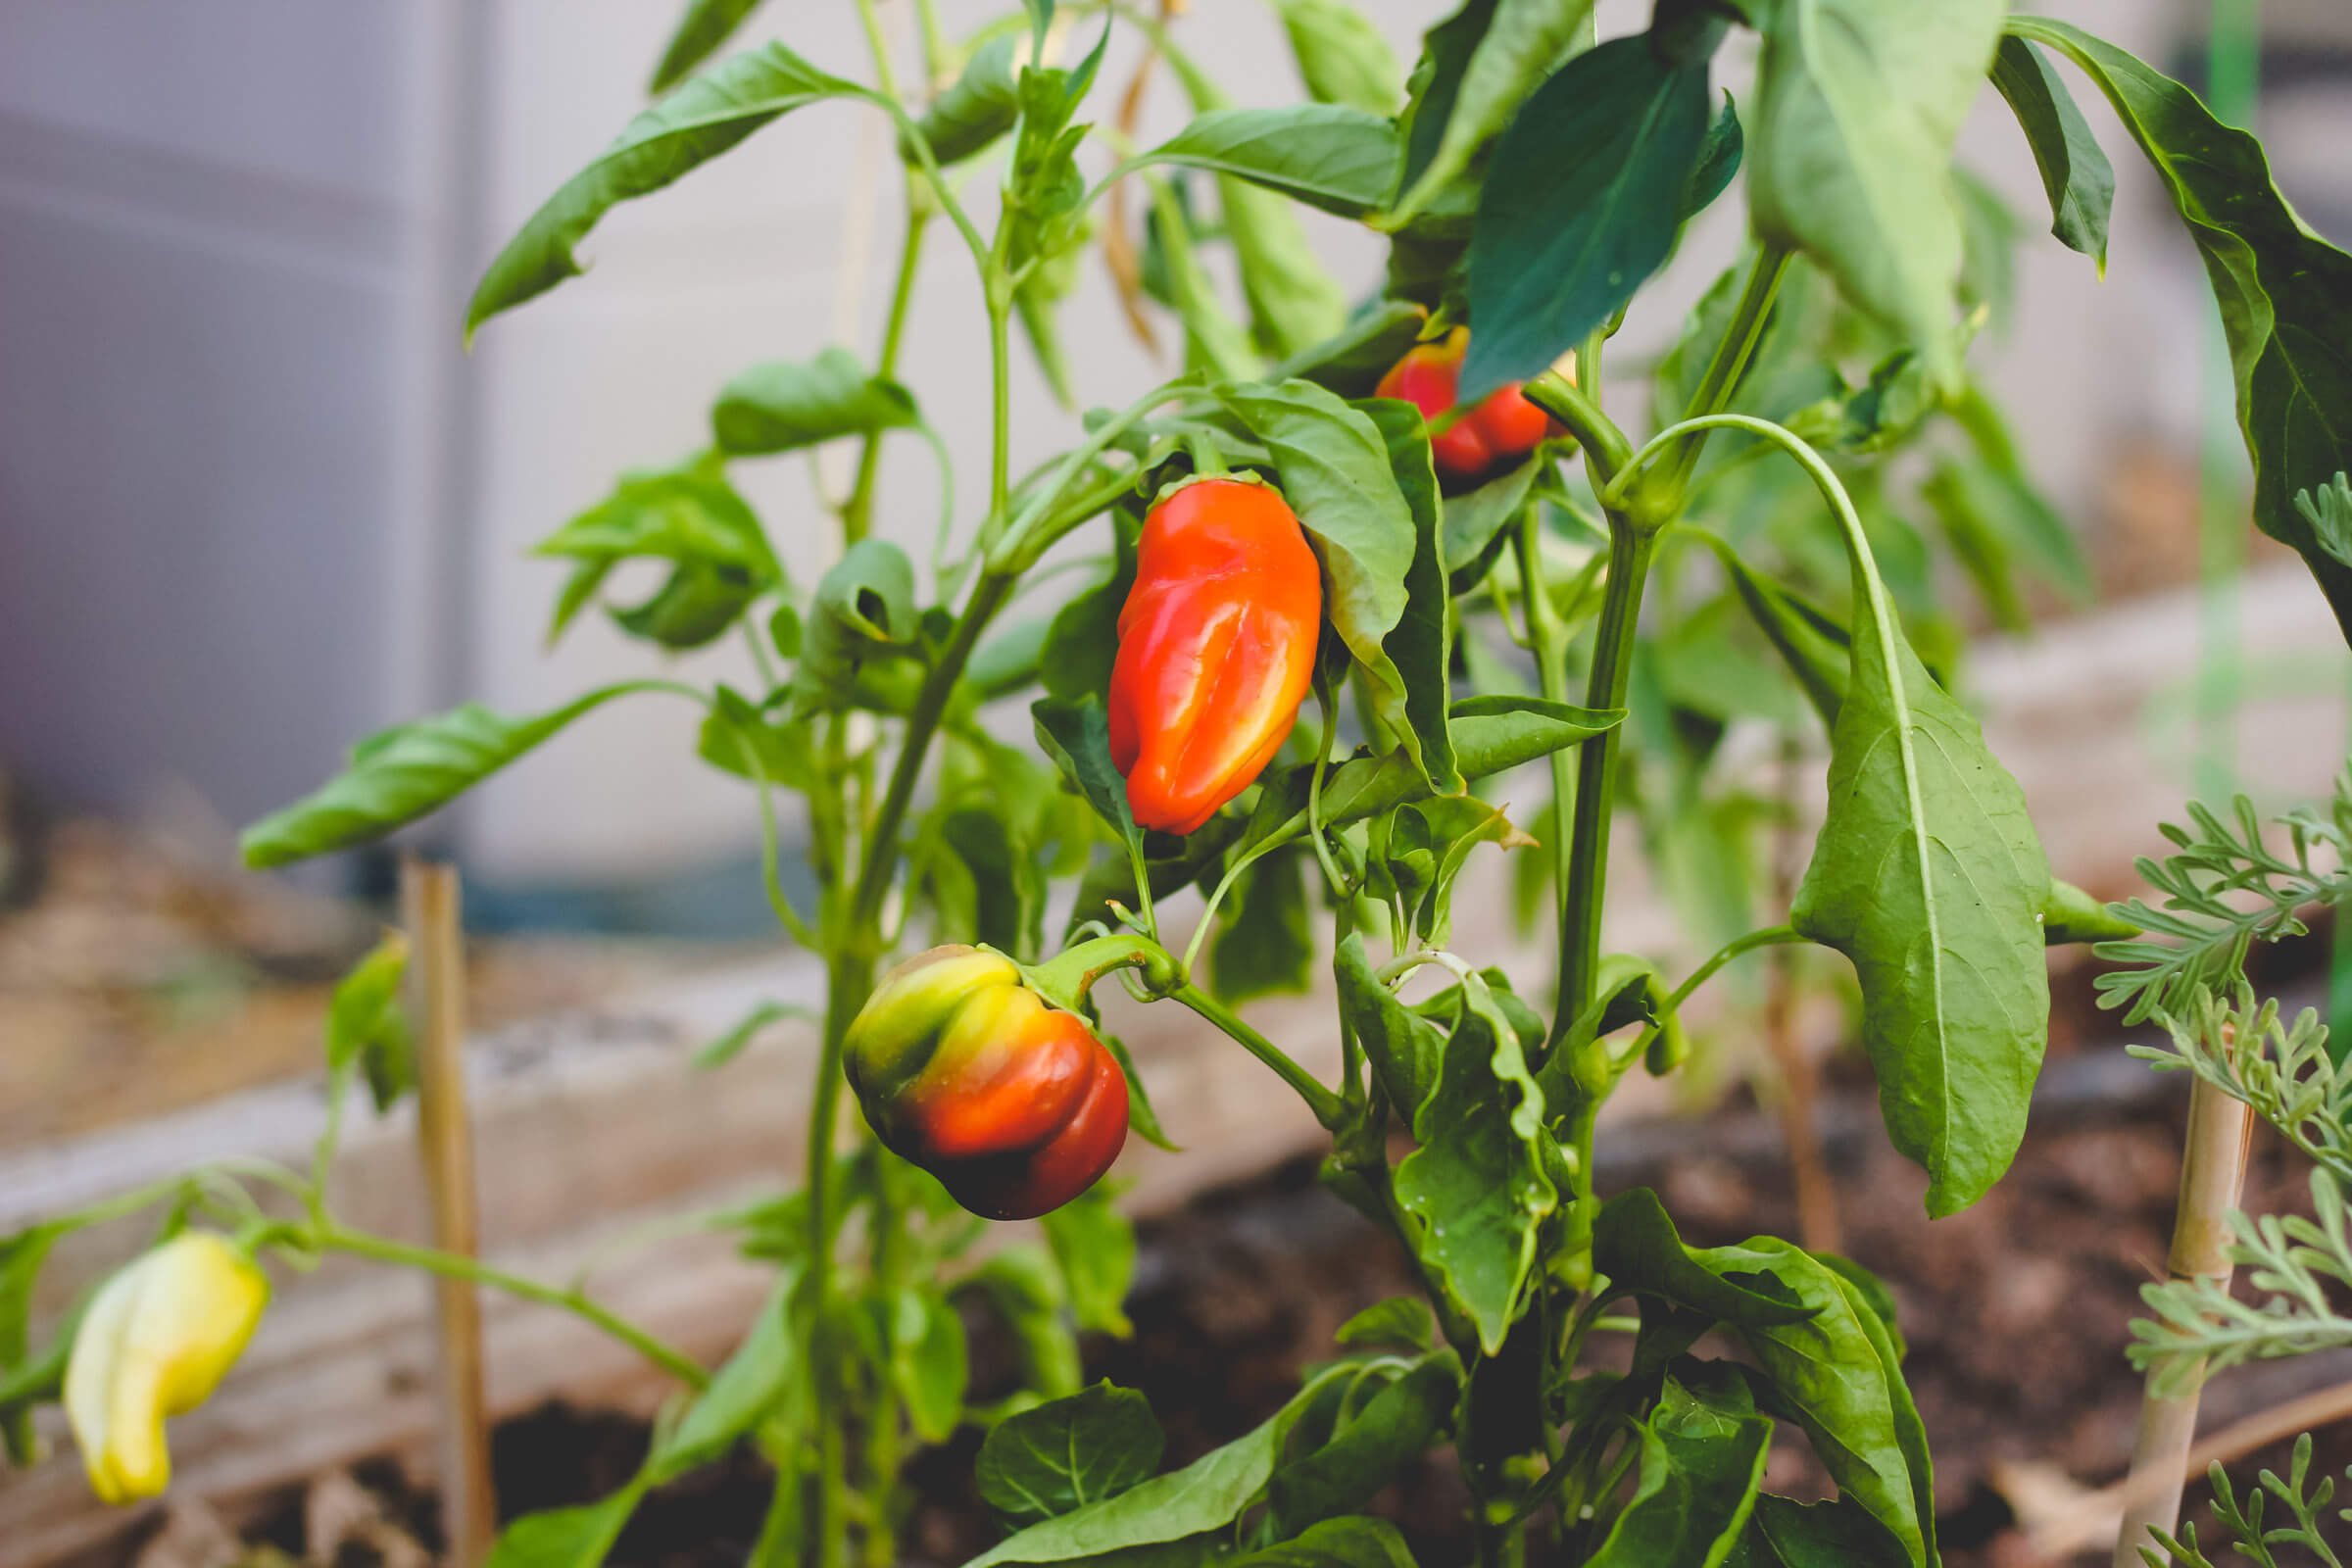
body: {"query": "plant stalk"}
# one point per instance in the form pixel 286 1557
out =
pixel 857 513
pixel 1730 362
pixel 1329 1109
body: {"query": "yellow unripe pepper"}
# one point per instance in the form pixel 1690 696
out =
pixel 156 1339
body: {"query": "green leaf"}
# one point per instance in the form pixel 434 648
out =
pixel 1718 161
pixel 366 1029
pixel 1581 204
pixel 1094 1247
pixel 1477 1184
pixel 980 104
pixel 1077 736
pixel 1391 1428
pixel 688 515
pixel 1870 1291
pixel 21 1258
pixel 692 126
pixel 864 609
pixel 1702 1459
pixel 2285 294
pixel 1836 1373
pixel 735 738
pixel 1814 643
pixel 1265 946
pixel 1343 59
pixel 1336 474
pixel 726 1047
pixel 1142 1119
pixel 784 404
pixel 1406 1051
pixel 742 1390
pixel 1066 1453
pixel 1521 42
pixel 2074 172
pixel 929 1362
pixel 702 31
pixel 1399 1323
pixel 1023 1286
pixel 403 773
pixel 1928 875
pixel 1826 1534
pixel 1635 1245
pixel 567 1538
pixel 694 607
pixel 1208 1493
pixel 1858 103
pixel 1329 156
pixel 1215 344
pixel 1879 413
pixel 1355 1542
pixel 1295 303
pixel 1353 362
pixel 2070 915
pixel 1422 638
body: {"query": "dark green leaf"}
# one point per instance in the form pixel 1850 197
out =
pixel 1353 362
pixel 1928 875
pixel 1142 1119
pixel 2070 915
pixel 929 1363
pixel 1826 1534
pixel 2074 172
pixel 1635 1244
pixel 742 1390
pixel 1476 518
pixel 1858 103
pixel 1094 1246
pixel 694 607
pixel 2285 294
pixel 1343 59
pixel 730 1045
pixel 1581 204
pixel 366 1028
pixel 1521 42
pixel 702 31
pixel 1870 1291
pixel 1835 1372
pixel 1077 736
pixel 1023 1286
pixel 1355 1542
pixel 1399 1323
pixel 1701 1462
pixel 1326 155
pixel 736 738
pixel 1422 638
pixel 1391 1428
pixel 980 104
pixel 1405 1049
pixel 784 404
pixel 864 609
pixel 1206 1494
pixel 692 126
pixel 1812 642
pixel 1295 303
pixel 401 775
pixel 1878 414
pixel 1065 1455
pixel 688 515
pixel 1719 158
pixel 1266 942
pixel 21 1258
pixel 1477 1182
pixel 566 1537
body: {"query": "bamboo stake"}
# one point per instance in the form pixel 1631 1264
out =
pixel 469 1500
pixel 2213 1168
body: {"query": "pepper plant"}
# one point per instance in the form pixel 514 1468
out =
pixel 1266 526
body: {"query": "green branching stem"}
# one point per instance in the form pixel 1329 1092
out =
pixel 1543 642
pixel 333 1237
pixel 856 514
pixel 1329 1109
pixel 1606 449
pixel 1730 361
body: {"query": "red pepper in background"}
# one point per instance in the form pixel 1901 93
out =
pixel 1496 434
pixel 1217 649
pixel 1013 1104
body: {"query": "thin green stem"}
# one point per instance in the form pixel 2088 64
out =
pixel 335 1238
pixel 1551 674
pixel 1008 546
pixel 1145 905
pixel 884 76
pixel 936 48
pixel 856 514
pixel 760 662
pixel 1325 700
pixel 1605 446
pixel 1731 357
pixel 1769 937
pixel 1329 1109
pixel 849 979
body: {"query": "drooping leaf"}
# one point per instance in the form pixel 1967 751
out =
pixel 1636 1244
pixel 863 611
pixel 1354 1542
pixel 1581 204
pixel 745 1388
pixel 1406 1051
pixel 703 29
pixel 1875 416
pixel 1719 156
pixel 735 738
pixel 1326 155
pixel 688 515
pixel 783 404
pixel 695 605
pixel 696 123
pixel 1418 645
pixel 1266 944
pixel 567 1538
pixel 1521 43
pixel 1353 362
pixel 366 1029
pixel 1068 1453
pixel 1389 1431
pixel 1206 1494
pixel 1825 1534
pixel 1094 1247
pixel 1399 1323
pixel 1702 1459
pixel 403 773
pixel 2285 294
pixel 1295 303
pixel 1076 734
pixel 930 1363
pixel 1024 1288
pixel 2074 172
pixel 1858 104
pixel 980 104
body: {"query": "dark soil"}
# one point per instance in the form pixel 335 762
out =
pixel 2016 1313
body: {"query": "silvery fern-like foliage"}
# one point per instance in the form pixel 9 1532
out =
pixel 2304 1503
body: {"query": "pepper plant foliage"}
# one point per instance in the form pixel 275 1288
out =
pixel 1528 178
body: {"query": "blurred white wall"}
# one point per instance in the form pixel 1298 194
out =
pixel 254 502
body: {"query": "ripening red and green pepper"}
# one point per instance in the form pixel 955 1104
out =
pixel 1217 649
pixel 1011 1103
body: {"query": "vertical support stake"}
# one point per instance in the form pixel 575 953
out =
pixel 436 934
